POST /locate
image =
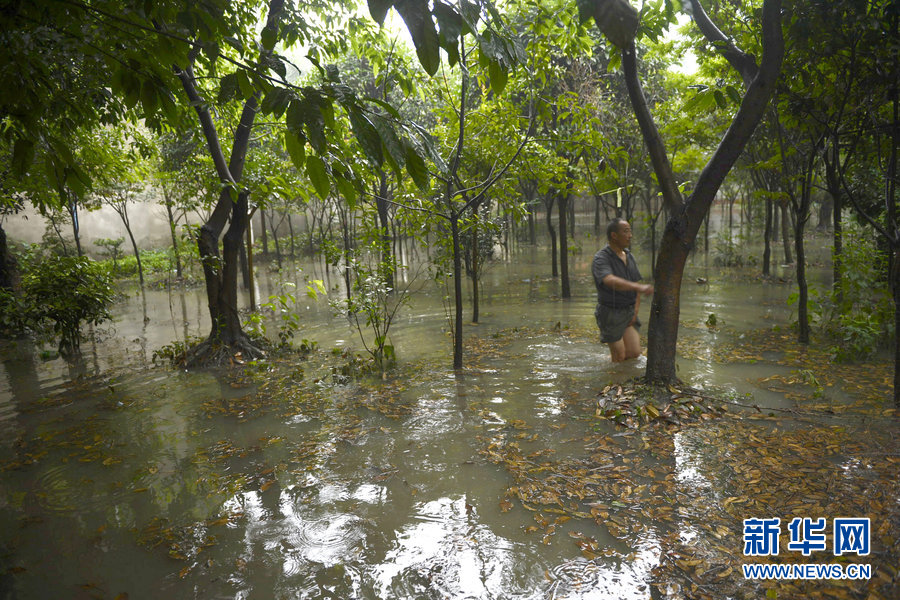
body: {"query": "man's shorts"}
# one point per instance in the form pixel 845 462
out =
pixel 613 322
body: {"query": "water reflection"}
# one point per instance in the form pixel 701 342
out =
pixel 629 579
pixel 447 553
pixel 687 460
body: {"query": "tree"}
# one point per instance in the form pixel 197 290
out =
pixel 685 216
pixel 120 174
pixel 182 177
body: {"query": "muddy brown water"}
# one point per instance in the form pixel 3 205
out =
pixel 127 480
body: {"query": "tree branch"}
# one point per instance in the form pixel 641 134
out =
pixel 657 148
pixel 752 108
pixel 743 63
pixel 188 82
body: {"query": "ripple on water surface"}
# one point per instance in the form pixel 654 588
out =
pixel 447 553
pixel 581 579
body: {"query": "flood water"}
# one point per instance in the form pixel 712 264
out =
pixel 125 479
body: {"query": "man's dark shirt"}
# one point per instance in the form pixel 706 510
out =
pixel 605 263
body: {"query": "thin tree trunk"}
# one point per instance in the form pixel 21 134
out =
pixel 837 232
pixel 834 189
pixel 706 234
pixel 265 235
pixel 532 233
pixel 564 244
pixel 803 300
pixel 457 292
pixel 59 235
pixel 7 263
pixel 571 221
pixel 786 233
pixel 76 228
pixel 291 231
pixel 474 264
pixel 895 287
pixel 555 272
pixel 767 235
pixel 776 222
pixel 345 237
pixel 173 231
pixel 381 206
pixel 134 247
pixel 251 284
pixel 245 267
pixel 275 240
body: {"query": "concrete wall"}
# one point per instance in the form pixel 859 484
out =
pixel 149 225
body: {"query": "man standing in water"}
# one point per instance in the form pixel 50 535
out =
pixel 618 293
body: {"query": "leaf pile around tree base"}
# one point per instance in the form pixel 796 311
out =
pixel 635 405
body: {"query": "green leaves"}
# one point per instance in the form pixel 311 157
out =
pixel 421 28
pixel 367 136
pixel 415 166
pixel 268 37
pixel 306 113
pixel 276 101
pixel 317 172
pixel 295 143
pixel 23 155
pixel 707 99
pixel 498 75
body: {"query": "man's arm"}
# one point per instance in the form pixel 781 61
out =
pixel 637 305
pixel 623 285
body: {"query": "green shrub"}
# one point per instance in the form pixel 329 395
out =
pixel 112 248
pixel 858 319
pixel 160 260
pixel 862 318
pixel 59 294
pixel 727 251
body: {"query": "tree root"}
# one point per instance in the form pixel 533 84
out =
pixel 213 352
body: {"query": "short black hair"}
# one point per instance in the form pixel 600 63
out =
pixel 613 226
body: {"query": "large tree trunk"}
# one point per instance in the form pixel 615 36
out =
pixel 220 272
pixel 686 218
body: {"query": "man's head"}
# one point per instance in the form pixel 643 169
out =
pixel 618 232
